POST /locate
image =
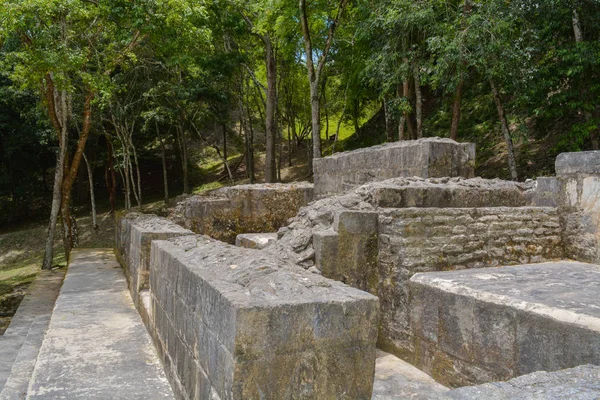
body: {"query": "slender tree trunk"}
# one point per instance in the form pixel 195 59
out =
pixel 339 124
pixel 270 111
pixel 184 158
pixel 137 170
pixel 57 190
pixel 110 177
pixel 512 164
pixel 92 196
pixel 163 156
pixel 325 109
pixel 456 110
pixel 70 176
pixel 355 115
pixel 225 155
pixel 418 101
pixel 577 31
pixel 388 121
pixel 410 126
pixel 315 105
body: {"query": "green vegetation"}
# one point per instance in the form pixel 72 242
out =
pixel 161 98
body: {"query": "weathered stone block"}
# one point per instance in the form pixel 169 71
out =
pixel 425 158
pixel 350 255
pixel 255 240
pixel 229 211
pixel 547 192
pixel 507 321
pixel 581 163
pixel 134 235
pixel 260 328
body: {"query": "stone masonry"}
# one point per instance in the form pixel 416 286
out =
pixel 229 211
pixel 424 158
pixel 482 325
pixel 234 323
pixel 382 216
pixel 134 234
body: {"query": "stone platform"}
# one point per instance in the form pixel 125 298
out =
pixel 424 158
pixel 96 346
pixel 480 325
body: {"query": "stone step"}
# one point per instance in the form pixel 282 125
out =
pixel 21 341
pixel 96 346
pixel 396 379
pixel 482 325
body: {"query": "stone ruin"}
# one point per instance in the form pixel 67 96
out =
pixel 470 280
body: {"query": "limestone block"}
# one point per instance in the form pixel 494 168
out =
pixel 351 255
pixel 229 211
pixel 547 192
pixel 255 240
pixel 425 158
pixel 581 163
pixel 496 324
pixel 135 233
pixel 241 324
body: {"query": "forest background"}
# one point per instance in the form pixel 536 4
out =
pixel 121 103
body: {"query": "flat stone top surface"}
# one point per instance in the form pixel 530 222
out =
pixel 582 162
pixel 394 145
pixel 565 290
pixel 152 223
pixel 251 277
pixel 96 346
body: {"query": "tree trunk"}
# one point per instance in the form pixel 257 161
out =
pixel 92 196
pixel 577 31
pixel 418 101
pixel 137 170
pixel 388 121
pixel 163 156
pixel 70 176
pixel 512 164
pixel 225 155
pixel 270 108
pixel 184 159
pixel 57 190
pixel 315 105
pixel 409 122
pixel 110 177
pixel 456 110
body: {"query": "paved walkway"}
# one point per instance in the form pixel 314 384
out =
pixel 22 340
pixel 96 346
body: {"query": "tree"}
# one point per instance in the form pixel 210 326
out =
pixel 67 52
pixel 315 71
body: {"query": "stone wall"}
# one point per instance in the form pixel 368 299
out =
pixel 134 233
pixel 235 323
pixel 424 158
pixel 379 251
pixel 227 212
pixel 481 325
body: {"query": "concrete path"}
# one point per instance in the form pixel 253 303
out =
pixel 96 346
pixel 22 340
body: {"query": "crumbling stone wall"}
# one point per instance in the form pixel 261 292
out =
pixel 424 158
pixel 227 212
pixel 377 236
